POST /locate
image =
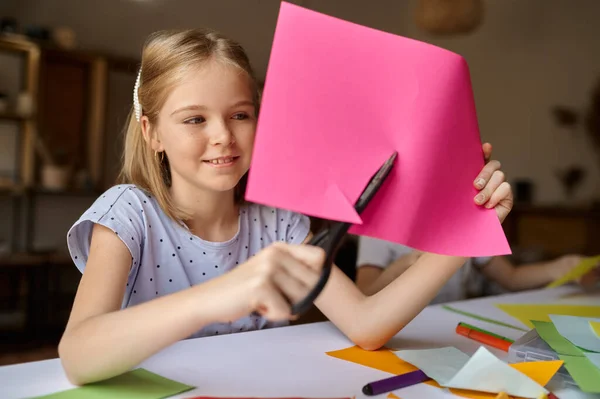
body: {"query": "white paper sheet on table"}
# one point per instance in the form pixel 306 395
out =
pixel 578 331
pixel 483 372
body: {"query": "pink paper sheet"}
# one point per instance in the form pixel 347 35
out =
pixel 339 99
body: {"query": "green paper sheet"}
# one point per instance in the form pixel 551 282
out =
pixel 585 374
pixel 136 384
pixel 583 371
pixel 548 332
pixel 482 318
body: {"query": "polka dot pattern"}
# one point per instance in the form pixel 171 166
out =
pixel 167 257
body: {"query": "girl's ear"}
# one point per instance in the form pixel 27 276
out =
pixel 150 135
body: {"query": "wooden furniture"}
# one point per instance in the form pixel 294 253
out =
pixel 291 361
pixel 75 97
pixel 554 231
pixel 30 53
pixel 70 92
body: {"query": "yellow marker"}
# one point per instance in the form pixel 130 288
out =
pixel 543 396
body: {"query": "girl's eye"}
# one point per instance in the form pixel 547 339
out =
pixel 240 116
pixel 194 121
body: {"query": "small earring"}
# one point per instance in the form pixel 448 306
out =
pixel 162 156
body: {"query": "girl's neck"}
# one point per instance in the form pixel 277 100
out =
pixel 214 216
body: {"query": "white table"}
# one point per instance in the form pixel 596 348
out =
pixel 291 361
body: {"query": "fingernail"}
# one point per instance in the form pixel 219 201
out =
pixel 479 199
pixel 479 183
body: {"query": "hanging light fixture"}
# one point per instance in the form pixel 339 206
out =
pixel 449 17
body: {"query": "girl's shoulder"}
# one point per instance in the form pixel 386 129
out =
pixel 127 210
pixel 122 201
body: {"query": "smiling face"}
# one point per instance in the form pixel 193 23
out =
pixel 206 128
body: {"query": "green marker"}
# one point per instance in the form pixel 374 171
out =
pixel 462 312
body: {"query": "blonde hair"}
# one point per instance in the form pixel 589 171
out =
pixel 166 57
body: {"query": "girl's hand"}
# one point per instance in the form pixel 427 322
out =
pixel 494 192
pixel 271 281
pixel 564 264
pixel 591 280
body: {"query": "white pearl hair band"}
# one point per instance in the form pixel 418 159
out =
pixel 136 100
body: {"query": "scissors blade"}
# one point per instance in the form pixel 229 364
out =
pixel 330 238
pixel 375 183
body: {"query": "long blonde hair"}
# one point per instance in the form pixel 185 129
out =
pixel 166 57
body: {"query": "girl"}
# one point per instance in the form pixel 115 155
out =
pixel 175 252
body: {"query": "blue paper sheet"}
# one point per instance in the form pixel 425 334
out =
pixel 578 331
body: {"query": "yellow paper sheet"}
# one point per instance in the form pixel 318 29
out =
pixel 526 312
pixel 540 372
pixel 385 360
pixel 392 396
pixel 581 269
pixel 595 327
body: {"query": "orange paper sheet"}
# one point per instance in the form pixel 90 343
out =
pixel 385 360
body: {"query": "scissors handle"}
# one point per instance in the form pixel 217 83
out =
pixel 327 239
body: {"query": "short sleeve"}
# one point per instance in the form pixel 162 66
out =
pixel 376 252
pixel 119 209
pixel 298 228
pixel 481 262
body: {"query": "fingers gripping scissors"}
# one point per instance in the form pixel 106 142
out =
pixel 330 238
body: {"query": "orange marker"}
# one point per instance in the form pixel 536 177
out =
pixel 484 338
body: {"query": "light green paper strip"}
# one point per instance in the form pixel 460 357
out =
pixel 475 316
pixel 548 332
pixel 136 384
pixel 585 374
pixel 583 371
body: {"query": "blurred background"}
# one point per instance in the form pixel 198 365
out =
pixel 68 67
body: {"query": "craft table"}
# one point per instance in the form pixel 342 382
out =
pixel 291 361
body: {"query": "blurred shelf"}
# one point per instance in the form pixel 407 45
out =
pixel 11 116
pixel 11 190
pixel 17 43
pixel 65 193
pixel 38 191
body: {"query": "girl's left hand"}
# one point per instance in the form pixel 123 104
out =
pixel 494 191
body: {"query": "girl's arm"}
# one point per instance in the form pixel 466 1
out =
pixel 101 340
pixel 371 321
pixel 371 279
pixel 534 275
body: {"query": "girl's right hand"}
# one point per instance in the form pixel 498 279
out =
pixel 271 281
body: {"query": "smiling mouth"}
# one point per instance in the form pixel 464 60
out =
pixel 222 161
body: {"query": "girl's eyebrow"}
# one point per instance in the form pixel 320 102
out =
pixel 193 107
pixel 197 107
pixel 243 102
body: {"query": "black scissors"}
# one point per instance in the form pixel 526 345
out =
pixel 330 238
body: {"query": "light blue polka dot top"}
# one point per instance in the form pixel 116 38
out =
pixel 167 257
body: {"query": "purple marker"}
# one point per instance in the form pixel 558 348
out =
pixel 393 383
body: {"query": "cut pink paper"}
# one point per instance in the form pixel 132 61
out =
pixel 339 98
